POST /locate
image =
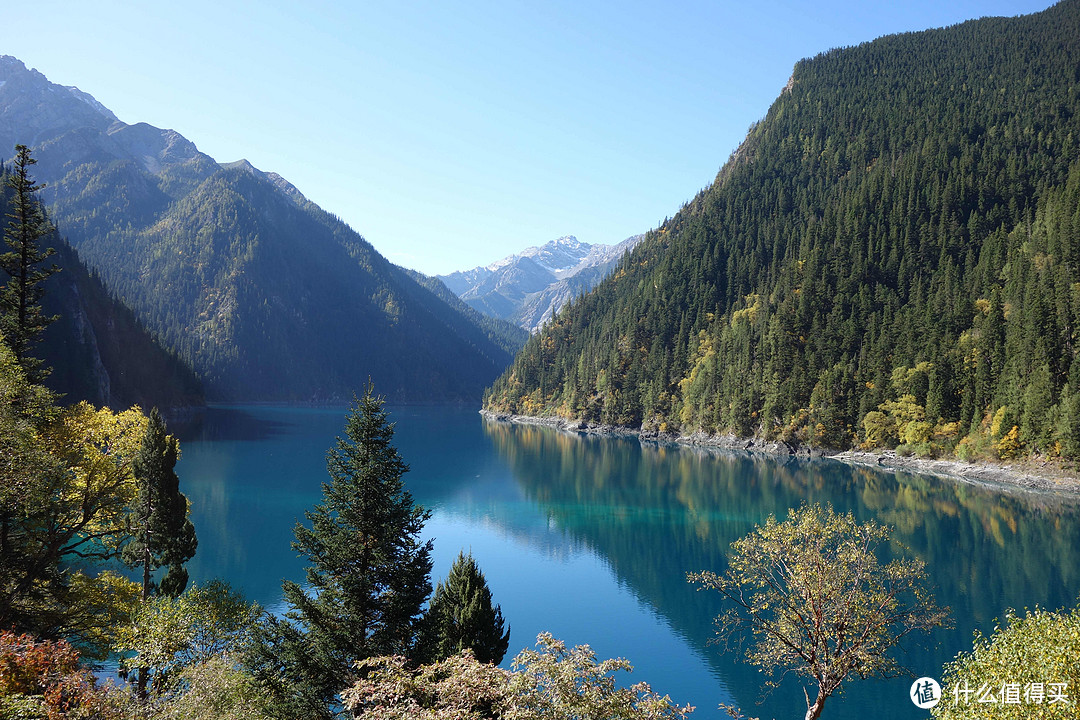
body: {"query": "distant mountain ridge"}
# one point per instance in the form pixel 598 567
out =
pixel 528 288
pixel 265 294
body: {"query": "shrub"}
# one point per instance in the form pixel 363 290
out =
pixel 43 679
pixel 212 689
pixel 924 450
pixel 1009 447
pixel 549 683
pixel 1029 667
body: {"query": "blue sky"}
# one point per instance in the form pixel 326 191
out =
pixel 451 134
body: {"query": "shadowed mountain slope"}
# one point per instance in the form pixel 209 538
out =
pixel 265 294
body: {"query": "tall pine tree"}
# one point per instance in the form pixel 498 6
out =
pixel 161 533
pixel 21 318
pixel 368 579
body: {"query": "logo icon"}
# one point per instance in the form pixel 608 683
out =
pixel 925 693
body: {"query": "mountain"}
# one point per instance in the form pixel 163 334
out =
pixel 265 294
pixel 539 308
pixel 530 287
pixel 96 349
pixel 506 336
pixel 891 258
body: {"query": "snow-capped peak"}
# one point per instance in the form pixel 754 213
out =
pixel 557 256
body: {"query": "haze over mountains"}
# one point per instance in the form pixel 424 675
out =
pixel 265 294
pixel 528 288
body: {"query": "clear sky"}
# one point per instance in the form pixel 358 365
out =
pixel 451 134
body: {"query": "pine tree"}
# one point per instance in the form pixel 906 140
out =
pixel 461 616
pixel 368 579
pixel 161 533
pixel 21 318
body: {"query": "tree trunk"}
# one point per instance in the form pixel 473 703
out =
pixel 813 712
pixel 144 672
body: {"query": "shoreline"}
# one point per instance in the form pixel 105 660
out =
pixel 1043 478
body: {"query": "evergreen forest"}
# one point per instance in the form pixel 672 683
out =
pixel 889 259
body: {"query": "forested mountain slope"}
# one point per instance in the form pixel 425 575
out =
pixel 891 257
pixel 96 349
pixel 265 294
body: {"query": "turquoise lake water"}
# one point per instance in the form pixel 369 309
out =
pixel 591 538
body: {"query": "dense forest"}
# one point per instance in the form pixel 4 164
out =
pixel 890 258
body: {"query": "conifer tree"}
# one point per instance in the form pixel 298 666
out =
pixel 462 616
pixel 161 533
pixel 368 579
pixel 21 318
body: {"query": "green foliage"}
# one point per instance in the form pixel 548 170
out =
pixel 1022 666
pixel 908 419
pixel 817 601
pixel 214 689
pixel 461 616
pixel 878 430
pixel 899 232
pixel 95 349
pixel 22 707
pixel 170 635
pixel 99 352
pixel 21 318
pixel 28 473
pixel 95 609
pixel 1067 421
pixel 549 683
pixel 65 488
pixel 161 533
pixel 368 579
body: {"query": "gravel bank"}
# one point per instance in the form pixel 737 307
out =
pixel 1030 475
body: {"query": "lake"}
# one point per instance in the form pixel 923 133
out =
pixel 590 538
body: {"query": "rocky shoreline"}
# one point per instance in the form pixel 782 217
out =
pixel 1041 477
